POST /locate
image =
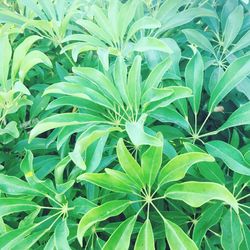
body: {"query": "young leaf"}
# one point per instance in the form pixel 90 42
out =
pixel 176 237
pixel 230 155
pixel 236 72
pixel 231 236
pixel 120 238
pixel 196 194
pixel 176 168
pixel 145 238
pixel 194 79
pixel 109 209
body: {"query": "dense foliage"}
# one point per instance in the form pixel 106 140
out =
pixel 125 124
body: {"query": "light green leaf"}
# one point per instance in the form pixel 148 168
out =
pixel 238 118
pixel 196 194
pixel 145 22
pixel 15 205
pixel 109 209
pixel 231 236
pixel 137 134
pixel 129 164
pixel 15 186
pixel 62 120
pixel 235 73
pixel 20 53
pixel 61 235
pixel 176 237
pixel 100 80
pixel 145 238
pixel 194 79
pixel 151 162
pixel 233 26
pixel 209 217
pixel 30 60
pixel 112 180
pixel 120 238
pixel 120 78
pixel 197 38
pixel 232 157
pixel 176 168
pixel 242 43
pixel 134 83
pixel 152 43
pixel 155 76
pixel 6 52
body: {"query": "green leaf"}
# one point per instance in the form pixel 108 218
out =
pixel 20 53
pixel 134 83
pixel 151 162
pixel 194 79
pixel 113 180
pixel 6 52
pixel 238 118
pixel 137 134
pixel 236 72
pixel 155 76
pixel 245 245
pixel 100 80
pixel 233 26
pixel 109 209
pixel 145 22
pixel 177 167
pixel 62 120
pixel 12 238
pixel 61 235
pixel 120 238
pixel 231 236
pixel 129 164
pixel 145 238
pixel 209 217
pixel 196 194
pixel 120 78
pixel 176 237
pixel 14 186
pixel 15 205
pixel 242 43
pixel 197 38
pixel 232 157
pixel 30 60
pixel 152 43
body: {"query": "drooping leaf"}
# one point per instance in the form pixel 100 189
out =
pixel 197 193
pixel 176 237
pixel 231 236
pixel 108 209
pixel 145 238
pixel 230 155
pixel 176 168
pixel 237 71
pixel 120 238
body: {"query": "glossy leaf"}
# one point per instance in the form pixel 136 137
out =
pixel 198 193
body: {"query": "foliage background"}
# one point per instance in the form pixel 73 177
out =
pixel 124 124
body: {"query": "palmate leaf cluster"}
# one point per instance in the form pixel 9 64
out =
pixel 124 124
